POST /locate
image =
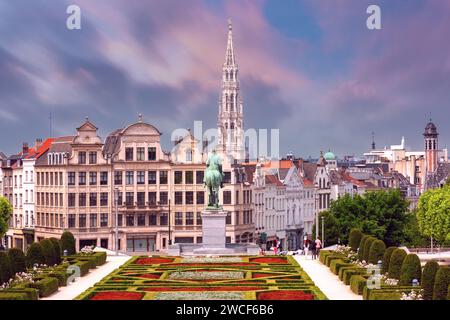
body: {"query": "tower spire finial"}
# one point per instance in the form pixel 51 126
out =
pixel 230 24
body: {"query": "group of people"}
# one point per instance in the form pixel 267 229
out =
pixel 312 246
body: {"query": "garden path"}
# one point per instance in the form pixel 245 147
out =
pixel 82 284
pixel 327 281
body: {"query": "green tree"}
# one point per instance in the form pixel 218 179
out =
pixel 433 213
pixel 5 214
pixel 382 214
pixel 68 243
pixel 413 236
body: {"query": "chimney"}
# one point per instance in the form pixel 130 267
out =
pixel 38 143
pixel 25 148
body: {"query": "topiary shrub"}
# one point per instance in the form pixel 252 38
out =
pixel 48 251
pixel 428 276
pixel 386 259
pixel 68 243
pixel 361 247
pixel 5 268
pixel 57 249
pixel 357 283
pixel 46 286
pixel 376 252
pixel 18 261
pixel 411 269
pixel 395 263
pixel 35 255
pixel 367 246
pixel 354 239
pixel 441 283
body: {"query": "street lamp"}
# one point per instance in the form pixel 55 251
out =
pixel 116 202
pixel 323 231
pixel 170 227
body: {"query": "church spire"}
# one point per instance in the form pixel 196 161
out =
pixel 230 60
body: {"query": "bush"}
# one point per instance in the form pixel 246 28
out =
pixel 441 283
pixel 354 239
pixel 386 259
pixel 5 268
pixel 48 251
pixel 35 255
pixel 361 247
pixel 357 283
pixel 57 248
pixel 84 267
pixel 18 261
pixel 46 286
pixel 385 295
pixel 367 246
pixel 30 293
pixel 323 254
pixel 68 243
pixel 376 252
pixel 100 258
pixel 395 263
pixel 428 276
pixel 8 295
pixel 337 264
pixel 348 274
pixel 411 269
pixel 332 257
pixel 61 276
pixel 448 292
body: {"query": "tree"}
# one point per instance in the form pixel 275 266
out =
pixel 57 248
pixel 441 283
pixel 428 276
pixel 413 236
pixel 354 239
pixel 410 270
pixel 35 255
pixel 18 261
pixel 433 213
pixel 5 268
pixel 68 243
pixel 48 251
pixel 6 210
pixel 377 250
pixel 382 214
pixel 396 262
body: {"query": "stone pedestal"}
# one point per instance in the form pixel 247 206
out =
pixel 213 232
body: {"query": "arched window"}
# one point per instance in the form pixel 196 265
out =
pixel 226 125
pixel 188 155
pixel 232 103
pixel 226 102
pixel 232 126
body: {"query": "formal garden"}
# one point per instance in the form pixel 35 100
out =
pixel 46 266
pixel 206 278
pixel 378 272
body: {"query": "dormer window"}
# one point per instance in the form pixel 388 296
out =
pixel 151 154
pixel 129 154
pixel 92 157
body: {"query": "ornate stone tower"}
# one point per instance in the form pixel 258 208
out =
pixel 230 121
pixel 431 147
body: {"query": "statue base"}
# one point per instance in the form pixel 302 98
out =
pixel 213 239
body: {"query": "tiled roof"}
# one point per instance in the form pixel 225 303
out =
pixel 272 179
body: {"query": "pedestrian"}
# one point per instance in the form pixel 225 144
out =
pixel 318 243
pixel 278 245
pixel 305 247
pixel 312 248
pixel 275 246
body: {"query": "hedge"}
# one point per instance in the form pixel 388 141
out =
pixel 357 283
pixel 385 295
pixel 395 263
pixel 428 276
pixel 367 246
pixel 5 268
pixel 361 247
pixel 386 259
pixel 18 260
pixel 48 251
pixel 348 274
pixel 354 239
pixel 376 252
pixel 35 255
pixel 46 286
pixel 337 264
pixel 330 258
pixel 367 292
pixel 448 292
pixel 84 267
pixel 323 254
pixel 411 269
pixel 441 283
pixel 345 268
pixel 30 293
pixel 8 295
pixel 68 243
pixel 57 249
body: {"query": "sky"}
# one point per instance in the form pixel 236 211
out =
pixel 311 69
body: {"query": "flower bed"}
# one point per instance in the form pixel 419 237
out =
pixel 207 278
pixel 117 295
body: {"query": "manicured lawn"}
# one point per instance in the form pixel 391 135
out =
pixel 233 278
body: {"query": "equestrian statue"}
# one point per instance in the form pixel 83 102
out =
pixel 213 179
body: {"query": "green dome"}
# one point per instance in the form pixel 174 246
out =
pixel 329 156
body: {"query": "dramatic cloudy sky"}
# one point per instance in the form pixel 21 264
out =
pixel 310 68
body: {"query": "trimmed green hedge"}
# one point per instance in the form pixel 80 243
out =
pixel 323 254
pixel 357 283
pixel 395 263
pixel 48 251
pixel 348 274
pixel 84 267
pixel 367 292
pixel 385 295
pixel 354 239
pixel 30 293
pixel 441 283
pixel 337 264
pixel 18 260
pixel 361 247
pixel 367 246
pixel 68 243
pixel 428 276
pixel 376 251
pixel 386 259
pixel 57 249
pixel 411 269
pixel 8 295
pixel 332 257
pixel 5 268
pixel 35 255
pixel 46 286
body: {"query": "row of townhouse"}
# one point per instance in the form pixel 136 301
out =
pixel 74 183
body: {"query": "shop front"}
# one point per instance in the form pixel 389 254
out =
pixel 141 243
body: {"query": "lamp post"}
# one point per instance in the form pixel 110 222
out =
pixel 116 202
pixel 170 226
pixel 323 231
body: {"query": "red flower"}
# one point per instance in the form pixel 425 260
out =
pixel 236 288
pixel 262 275
pixel 269 260
pixel 285 295
pixel 150 275
pixel 117 295
pixel 150 261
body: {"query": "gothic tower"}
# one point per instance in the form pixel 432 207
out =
pixel 230 120
pixel 431 147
